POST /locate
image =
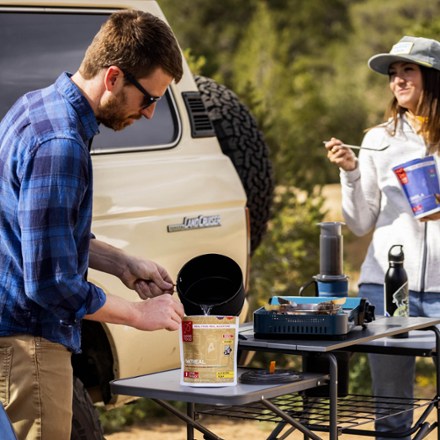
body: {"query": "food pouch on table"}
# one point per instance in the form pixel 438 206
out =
pixel 208 350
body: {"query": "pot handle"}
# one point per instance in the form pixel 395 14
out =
pixel 307 284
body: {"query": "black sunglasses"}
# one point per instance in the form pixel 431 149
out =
pixel 148 99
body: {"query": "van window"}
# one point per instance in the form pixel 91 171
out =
pixel 37 47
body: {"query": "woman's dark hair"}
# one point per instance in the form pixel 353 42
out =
pixel 428 109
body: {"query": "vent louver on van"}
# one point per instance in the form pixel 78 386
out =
pixel 201 125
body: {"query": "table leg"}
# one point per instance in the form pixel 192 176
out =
pixel 190 412
pixel 437 365
pixel 209 435
pixel 290 420
pixel 333 397
pixel 333 426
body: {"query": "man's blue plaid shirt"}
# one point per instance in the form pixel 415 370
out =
pixel 45 214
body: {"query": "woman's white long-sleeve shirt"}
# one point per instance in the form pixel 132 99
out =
pixel 372 198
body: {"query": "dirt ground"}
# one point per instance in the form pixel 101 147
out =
pixel 174 429
pixel 227 429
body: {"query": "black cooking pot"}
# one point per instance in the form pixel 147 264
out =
pixel 211 284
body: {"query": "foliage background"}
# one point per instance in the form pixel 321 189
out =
pixel 301 67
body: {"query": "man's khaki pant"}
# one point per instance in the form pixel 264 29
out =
pixel 36 387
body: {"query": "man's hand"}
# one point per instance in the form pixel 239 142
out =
pixel 161 312
pixel 147 278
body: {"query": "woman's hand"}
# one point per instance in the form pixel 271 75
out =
pixel 435 215
pixel 431 217
pixel 341 156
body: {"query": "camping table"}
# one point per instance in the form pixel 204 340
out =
pixel 375 338
pixel 165 386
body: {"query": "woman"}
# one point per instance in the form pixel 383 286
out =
pixel 372 199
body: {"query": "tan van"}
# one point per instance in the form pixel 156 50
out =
pixel 194 180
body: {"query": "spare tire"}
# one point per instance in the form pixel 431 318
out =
pixel 242 141
pixel 85 420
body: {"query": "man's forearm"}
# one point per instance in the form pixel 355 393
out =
pixel 116 310
pixel 106 258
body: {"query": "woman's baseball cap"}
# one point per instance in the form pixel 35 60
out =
pixel 418 50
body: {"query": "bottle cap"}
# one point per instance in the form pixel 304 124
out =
pixel 395 254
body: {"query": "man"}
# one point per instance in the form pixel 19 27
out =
pixel 46 245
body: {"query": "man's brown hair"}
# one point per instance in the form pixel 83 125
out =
pixel 136 42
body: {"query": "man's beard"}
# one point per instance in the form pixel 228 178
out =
pixel 111 115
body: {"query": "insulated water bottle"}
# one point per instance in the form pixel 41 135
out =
pixel 396 295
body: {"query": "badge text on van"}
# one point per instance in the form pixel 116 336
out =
pixel 199 222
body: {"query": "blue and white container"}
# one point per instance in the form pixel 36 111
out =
pixel 419 180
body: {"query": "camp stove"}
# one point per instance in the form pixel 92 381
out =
pixel 311 317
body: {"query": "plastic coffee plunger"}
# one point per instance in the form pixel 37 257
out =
pixel 330 250
pixel 331 281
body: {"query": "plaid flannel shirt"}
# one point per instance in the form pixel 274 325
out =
pixel 45 214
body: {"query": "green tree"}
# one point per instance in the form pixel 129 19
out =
pixel 283 62
pixel 305 63
pixel 212 29
pixel 288 256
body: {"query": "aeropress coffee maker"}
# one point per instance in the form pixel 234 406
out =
pixel 330 282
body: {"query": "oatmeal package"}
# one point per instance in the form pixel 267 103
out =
pixel 208 350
